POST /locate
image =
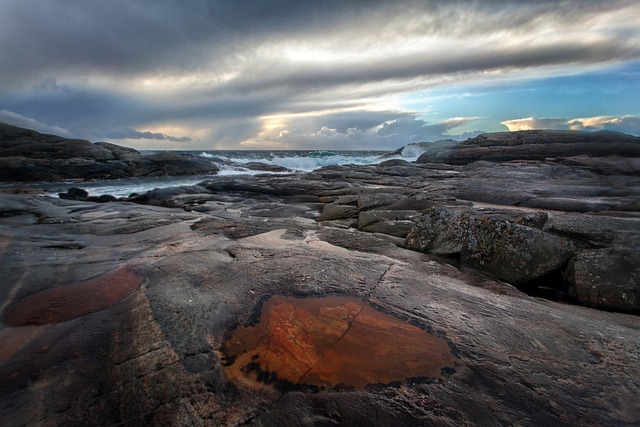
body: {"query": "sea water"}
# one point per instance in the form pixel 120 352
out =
pixel 232 162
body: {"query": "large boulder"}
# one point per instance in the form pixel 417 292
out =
pixel 497 244
pixel 606 278
pixel 440 231
pixel 170 163
pixel 512 252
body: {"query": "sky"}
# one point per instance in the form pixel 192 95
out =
pixel 323 74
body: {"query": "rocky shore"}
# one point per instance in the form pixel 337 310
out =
pixel 132 311
pixel 27 155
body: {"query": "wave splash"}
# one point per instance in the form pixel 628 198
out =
pixel 234 162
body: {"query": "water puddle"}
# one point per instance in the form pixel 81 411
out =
pixel 332 342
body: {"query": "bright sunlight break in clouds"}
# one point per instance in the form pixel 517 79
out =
pixel 332 74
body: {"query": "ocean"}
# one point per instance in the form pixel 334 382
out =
pixel 231 163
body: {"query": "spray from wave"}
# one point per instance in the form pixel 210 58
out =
pixel 243 162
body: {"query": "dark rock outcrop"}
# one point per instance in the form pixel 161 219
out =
pixel 534 145
pixel 75 193
pixel 512 252
pixel 606 278
pixel 26 155
pixel 495 243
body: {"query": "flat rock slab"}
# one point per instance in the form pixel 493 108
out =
pixel 151 349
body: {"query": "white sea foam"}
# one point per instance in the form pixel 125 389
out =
pixel 411 152
pixel 125 187
pixel 298 161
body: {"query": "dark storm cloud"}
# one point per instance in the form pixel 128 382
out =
pixel 124 37
pixel 410 67
pixel 100 68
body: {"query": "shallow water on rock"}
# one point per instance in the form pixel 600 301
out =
pixel 333 341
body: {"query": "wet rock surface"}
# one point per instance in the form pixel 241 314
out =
pixel 118 313
pixel 333 342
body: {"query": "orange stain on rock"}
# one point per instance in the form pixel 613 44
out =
pixel 70 301
pixel 331 341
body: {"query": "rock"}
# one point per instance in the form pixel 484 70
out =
pixel 27 155
pixel 18 142
pixel 257 166
pixel 500 247
pixel 438 150
pixel 440 231
pixel 606 278
pixel 393 223
pixel 125 154
pixel 395 163
pixel 571 204
pixel 511 252
pixel 533 145
pixel 75 193
pixel 103 198
pixel 376 200
pixel 595 231
pixel 335 211
pixel 541 185
pixel 533 219
pixel 155 293
pixel 170 163
pixel 605 165
pixel 277 185
pixel 103 305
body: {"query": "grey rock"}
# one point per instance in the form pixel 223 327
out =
pixel 376 200
pixel 27 155
pixel 335 211
pixel 440 231
pixel 511 252
pixel 257 166
pixel 195 277
pixel 75 193
pixel 491 242
pixel 533 145
pixel 393 223
pixel 606 278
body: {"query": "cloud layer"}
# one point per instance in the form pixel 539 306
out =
pixel 219 74
pixel 627 124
